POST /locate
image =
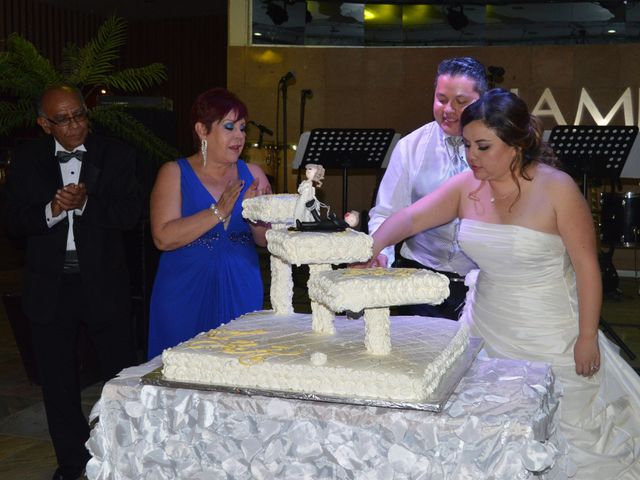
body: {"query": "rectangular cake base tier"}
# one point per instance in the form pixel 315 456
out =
pixel 434 402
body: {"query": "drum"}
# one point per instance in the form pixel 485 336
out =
pixel 265 155
pixel 620 219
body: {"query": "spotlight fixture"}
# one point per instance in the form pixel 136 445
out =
pixel 277 14
pixel 456 17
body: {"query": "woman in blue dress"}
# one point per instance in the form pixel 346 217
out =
pixel 209 271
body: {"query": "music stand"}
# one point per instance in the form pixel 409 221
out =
pixel 346 148
pixel 595 152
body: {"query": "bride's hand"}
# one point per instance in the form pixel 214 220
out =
pixel 586 354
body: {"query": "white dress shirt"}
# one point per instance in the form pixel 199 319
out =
pixel 70 174
pixel 419 163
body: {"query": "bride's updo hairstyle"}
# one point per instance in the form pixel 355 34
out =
pixel 508 116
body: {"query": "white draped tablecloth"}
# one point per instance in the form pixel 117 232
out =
pixel 498 424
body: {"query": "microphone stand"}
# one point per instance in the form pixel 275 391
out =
pixel 304 94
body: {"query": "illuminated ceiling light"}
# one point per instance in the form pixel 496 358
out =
pixel 456 17
pixel 611 30
pixel 414 15
pixel 268 57
pixel 257 34
pixel 369 14
pixel 383 15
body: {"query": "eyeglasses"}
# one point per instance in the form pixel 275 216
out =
pixel 61 121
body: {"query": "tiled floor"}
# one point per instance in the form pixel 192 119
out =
pixel 25 450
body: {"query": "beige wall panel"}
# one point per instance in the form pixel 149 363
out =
pixel 596 66
pixel 629 65
pixel 518 68
pixel 345 107
pixel 393 88
pixel 237 69
pixel 383 68
pixel 345 68
pixel 551 66
pixel 310 68
pixel 265 66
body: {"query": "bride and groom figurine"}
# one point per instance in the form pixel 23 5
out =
pixel 307 209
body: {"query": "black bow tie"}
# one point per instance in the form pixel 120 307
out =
pixel 64 157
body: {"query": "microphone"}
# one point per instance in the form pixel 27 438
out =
pixel 306 93
pixel 290 75
pixel 261 127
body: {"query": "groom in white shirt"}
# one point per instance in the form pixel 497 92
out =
pixel 422 161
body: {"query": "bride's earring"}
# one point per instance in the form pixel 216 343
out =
pixel 203 150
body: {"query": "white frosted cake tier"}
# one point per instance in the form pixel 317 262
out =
pixel 356 289
pixel 279 352
pixel 320 248
pixel 276 208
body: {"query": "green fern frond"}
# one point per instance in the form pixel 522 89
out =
pixel 16 114
pixel 116 119
pixel 94 61
pixel 24 72
pixel 137 79
pixel 70 60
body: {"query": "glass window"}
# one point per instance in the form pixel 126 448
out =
pixel 410 23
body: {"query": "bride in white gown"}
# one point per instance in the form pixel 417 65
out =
pixel 538 293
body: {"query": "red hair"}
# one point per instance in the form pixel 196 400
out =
pixel 212 106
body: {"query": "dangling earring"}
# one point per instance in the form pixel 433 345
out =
pixel 203 150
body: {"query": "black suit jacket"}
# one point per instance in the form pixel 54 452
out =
pixel 113 206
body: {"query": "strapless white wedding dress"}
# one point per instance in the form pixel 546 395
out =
pixel 524 305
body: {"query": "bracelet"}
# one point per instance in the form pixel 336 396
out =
pixel 216 212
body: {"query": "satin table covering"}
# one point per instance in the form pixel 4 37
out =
pixel 498 424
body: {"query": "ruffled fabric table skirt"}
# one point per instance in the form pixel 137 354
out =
pixel 499 424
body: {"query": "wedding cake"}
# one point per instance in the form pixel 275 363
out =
pixel 371 356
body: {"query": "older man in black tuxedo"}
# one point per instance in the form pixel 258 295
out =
pixel 72 193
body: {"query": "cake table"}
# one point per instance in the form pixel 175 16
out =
pixel 498 424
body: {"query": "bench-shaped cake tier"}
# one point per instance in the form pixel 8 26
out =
pixel 275 209
pixel 373 290
pixel 319 250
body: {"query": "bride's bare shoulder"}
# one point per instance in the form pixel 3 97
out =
pixel 551 176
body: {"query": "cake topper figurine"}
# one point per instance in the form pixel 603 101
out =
pixel 307 208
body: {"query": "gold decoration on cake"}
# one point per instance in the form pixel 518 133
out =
pixel 232 342
pixel 379 272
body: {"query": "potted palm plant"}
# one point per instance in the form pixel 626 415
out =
pixel 25 73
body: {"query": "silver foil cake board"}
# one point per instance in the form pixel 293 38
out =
pixel 433 403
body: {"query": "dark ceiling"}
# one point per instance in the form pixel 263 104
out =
pixel 145 9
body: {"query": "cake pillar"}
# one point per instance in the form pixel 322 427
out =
pixel 281 293
pixel 322 318
pixel 377 331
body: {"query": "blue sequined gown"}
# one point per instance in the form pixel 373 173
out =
pixel 210 281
